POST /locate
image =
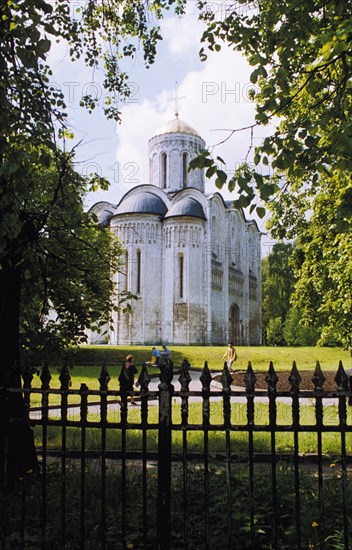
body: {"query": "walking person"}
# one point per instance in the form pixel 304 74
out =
pixel 230 355
pixel 126 377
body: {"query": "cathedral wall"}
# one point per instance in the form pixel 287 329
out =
pixel 218 319
pixel 141 275
pixel 154 161
pixel 196 288
pixel 255 290
pixel 254 327
pixel 218 265
pixel 183 290
pixel 176 272
pixel 174 158
pixel 235 277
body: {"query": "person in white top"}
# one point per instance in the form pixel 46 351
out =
pixel 230 355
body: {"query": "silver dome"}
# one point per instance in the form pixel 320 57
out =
pixel 187 206
pixel 143 202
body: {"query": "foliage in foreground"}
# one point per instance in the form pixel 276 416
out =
pixel 51 253
pixel 66 283
pixel 301 76
pixel 301 70
pixel 219 502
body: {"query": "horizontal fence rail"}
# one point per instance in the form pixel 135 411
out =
pixel 178 464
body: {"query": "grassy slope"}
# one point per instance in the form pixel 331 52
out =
pixel 260 357
pixel 89 359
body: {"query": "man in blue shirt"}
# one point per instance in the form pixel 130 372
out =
pixel 156 354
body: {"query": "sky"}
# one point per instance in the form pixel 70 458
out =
pixel 212 97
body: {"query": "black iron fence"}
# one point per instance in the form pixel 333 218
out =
pixel 187 466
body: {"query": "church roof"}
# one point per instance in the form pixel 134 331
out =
pixel 187 206
pixel 176 126
pixel 104 211
pixel 143 202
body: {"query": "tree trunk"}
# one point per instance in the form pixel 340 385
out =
pixel 17 451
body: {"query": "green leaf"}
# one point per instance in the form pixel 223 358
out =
pixel 232 184
pixel 219 183
pixel 211 171
pixel 43 46
pixel 221 176
pixel 261 212
pixel 254 76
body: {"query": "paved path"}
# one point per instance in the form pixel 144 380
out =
pixel 195 386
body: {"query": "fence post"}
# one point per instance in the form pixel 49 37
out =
pixel 164 455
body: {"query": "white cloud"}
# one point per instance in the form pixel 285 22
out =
pixel 213 98
pixel 183 34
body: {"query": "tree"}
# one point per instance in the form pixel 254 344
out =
pixel 282 323
pixel 33 120
pixel 274 332
pixel 295 333
pixel 33 139
pixel 277 287
pixel 321 259
pixel 65 262
pixel 324 267
pixel 302 67
pixel 67 283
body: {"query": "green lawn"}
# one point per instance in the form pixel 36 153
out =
pixel 260 356
pixel 88 361
pixel 331 441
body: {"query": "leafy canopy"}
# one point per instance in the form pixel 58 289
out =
pixel 321 258
pixel 302 67
pixel 324 267
pixel 67 264
pixel 277 283
pixel 51 253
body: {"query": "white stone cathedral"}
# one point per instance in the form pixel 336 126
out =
pixel 192 259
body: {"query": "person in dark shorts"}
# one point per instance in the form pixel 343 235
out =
pixel 126 377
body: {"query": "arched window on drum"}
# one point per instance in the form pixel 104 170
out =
pixel 185 160
pixel 163 170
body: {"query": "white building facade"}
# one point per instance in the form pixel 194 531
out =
pixel 191 259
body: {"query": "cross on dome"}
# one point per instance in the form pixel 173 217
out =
pixel 176 99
